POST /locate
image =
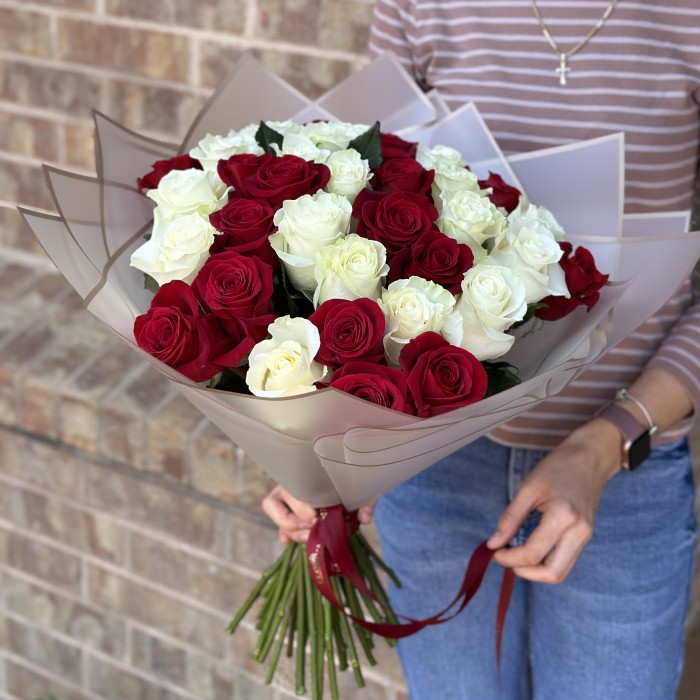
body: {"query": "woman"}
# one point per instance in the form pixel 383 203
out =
pixel 544 73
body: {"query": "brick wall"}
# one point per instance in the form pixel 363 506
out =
pixel 150 66
pixel 129 526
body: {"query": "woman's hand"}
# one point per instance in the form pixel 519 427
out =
pixel 565 487
pixel 294 518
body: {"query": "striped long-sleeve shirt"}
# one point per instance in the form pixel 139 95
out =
pixel 640 74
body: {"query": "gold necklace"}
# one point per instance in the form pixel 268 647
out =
pixel 564 56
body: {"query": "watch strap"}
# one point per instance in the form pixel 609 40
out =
pixel 635 435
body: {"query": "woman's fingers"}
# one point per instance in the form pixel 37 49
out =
pixel 292 516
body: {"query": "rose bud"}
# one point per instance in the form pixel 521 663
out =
pixel 583 280
pixel 379 384
pixel 441 377
pixel 163 167
pixel 175 331
pixel 349 330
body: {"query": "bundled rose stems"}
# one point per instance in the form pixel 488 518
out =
pixel 351 290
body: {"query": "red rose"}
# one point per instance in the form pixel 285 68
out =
pixel 245 225
pixel 395 147
pixel 350 330
pixel 379 384
pixel 237 287
pixel 583 280
pixel 176 331
pixel 273 178
pixel 395 219
pixel 441 376
pixel 503 194
pixel 162 167
pixel 435 257
pixel 403 174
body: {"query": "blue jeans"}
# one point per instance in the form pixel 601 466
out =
pixel 612 631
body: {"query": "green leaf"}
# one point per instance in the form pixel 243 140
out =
pixel 369 146
pixel 294 302
pixel 502 376
pixel 266 136
pixel 150 284
pixel 531 308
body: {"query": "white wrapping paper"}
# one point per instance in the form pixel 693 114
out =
pixel 327 446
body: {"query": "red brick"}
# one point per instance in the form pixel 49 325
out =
pixel 25 32
pixel 28 136
pixel 116 683
pixel 81 393
pixel 41 561
pixel 311 75
pixel 152 54
pixel 213 584
pixel 227 16
pixel 339 25
pixel 153 109
pixel 168 434
pixel 88 626
pixel 154 608
pixel 125 413
pixel 55 656
pixel 79 145
pixel 24 682
pixel 50 87
pixel 91 533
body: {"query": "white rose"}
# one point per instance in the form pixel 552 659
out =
pixel 302 147
pixel 413 306
pixel 189 192
pixel 335 136
pixel 284 364
pixel 492 300
pixel 350 173
pixel 351 268
pixel 306 225
pixel 536 214
pixel 177 249
pixel 454 181
pixel 469 217
pixel 440 158
pixel 213 148
pixel 531 251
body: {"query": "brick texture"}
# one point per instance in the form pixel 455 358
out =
pixel 130 527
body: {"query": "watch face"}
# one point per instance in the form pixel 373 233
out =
pixel 639 450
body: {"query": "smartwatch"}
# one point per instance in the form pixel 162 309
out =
pixel 636 437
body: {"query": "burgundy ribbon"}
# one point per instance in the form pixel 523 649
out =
pixel 328 554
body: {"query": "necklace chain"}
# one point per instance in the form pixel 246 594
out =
pixel 564 56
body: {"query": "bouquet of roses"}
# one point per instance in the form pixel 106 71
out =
pixel 348 304
pixel 291 257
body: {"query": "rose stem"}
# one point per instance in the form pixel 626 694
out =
pixel 271 605
pixel 292 626
pixel 301 623
pixel 254 595
pixel 286 621
pixel 313 632
pixel 362 634
pixel 380 562
pixel 320 626
pixel 262 649
pixel 339 642
pixel 375 585
pixel 347 633
pixel 328 636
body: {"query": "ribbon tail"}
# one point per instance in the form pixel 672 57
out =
pixel 503 604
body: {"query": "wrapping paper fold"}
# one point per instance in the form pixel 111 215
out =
pixel 328 447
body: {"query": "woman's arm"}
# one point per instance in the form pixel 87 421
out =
pixel 566 486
